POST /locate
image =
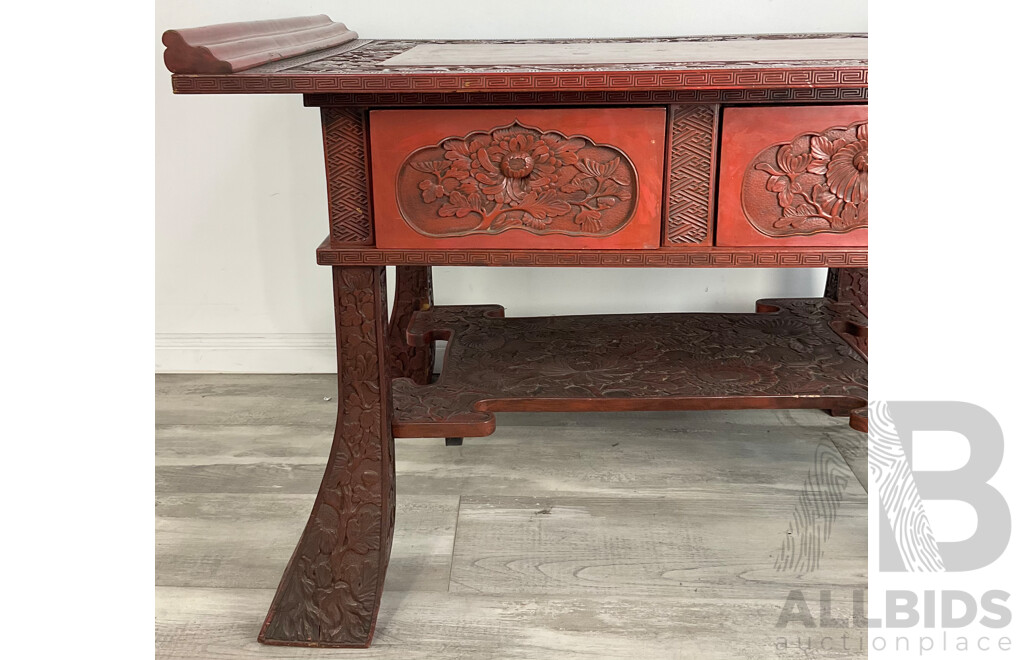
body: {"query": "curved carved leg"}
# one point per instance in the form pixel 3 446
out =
pixel 330 591
pixel 414 291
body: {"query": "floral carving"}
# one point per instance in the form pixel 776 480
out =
pixel 517 177
pixel 330 591
pixel 816 183
pixel 414 291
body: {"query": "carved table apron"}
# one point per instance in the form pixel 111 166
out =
pixel 683 152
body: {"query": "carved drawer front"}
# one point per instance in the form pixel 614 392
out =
pixel 527 178
pixel 794 176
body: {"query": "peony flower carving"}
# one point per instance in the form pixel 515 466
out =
pixel 517 176
pixel 820 184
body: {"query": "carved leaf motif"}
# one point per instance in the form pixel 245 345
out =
pixel 458 205
pixel 589 219
pixel 546 204
pixel 517 177
pixel 816 183
pixel 430 166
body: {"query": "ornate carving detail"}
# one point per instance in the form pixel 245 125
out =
pixel 848 285
pixel 787 359
pixel 348 190
pixel 818 183
pixel 693 258
pixel 575 97
pixel 330 592
pixel 414 292
pixel 517 177
pixel 689 198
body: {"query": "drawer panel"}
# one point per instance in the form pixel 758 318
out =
pixel 577 178
pixel 793 176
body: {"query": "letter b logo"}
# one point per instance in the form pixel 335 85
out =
pixel 907 542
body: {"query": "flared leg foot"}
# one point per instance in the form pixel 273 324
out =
pixel 330 592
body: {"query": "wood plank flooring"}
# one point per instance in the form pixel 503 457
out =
pixel 653 535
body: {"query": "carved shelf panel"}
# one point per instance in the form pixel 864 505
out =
pixel 787 356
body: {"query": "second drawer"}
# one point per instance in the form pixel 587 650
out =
pixel 793 176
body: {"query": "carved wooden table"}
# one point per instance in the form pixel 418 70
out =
pixel 690 152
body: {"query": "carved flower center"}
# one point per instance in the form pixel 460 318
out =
pixel 860 161
pixel 517 165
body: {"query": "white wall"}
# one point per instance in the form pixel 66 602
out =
pixel 241 205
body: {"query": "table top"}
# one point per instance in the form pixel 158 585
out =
pixel 710 62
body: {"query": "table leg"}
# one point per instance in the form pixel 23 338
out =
pixel 330 591
pixel 848 285
pixel 414 291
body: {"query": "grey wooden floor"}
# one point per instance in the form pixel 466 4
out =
pixel 648 535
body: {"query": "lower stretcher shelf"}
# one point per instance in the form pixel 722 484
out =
pixel 793 353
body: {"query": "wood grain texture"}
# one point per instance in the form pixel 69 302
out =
pixel 667 468
pixel 233 47
pixel 787 356
pixel 215 624
pixel 241 540
pixel 721 546
pixel 526 454
pixel 247 399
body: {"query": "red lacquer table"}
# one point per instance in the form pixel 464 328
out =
pixel 724 152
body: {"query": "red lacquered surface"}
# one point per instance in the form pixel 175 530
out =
pixel 520 179
pixel 589 124
pixel 793 176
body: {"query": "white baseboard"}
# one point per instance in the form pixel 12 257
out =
pixel 271 353
pixel 251 353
